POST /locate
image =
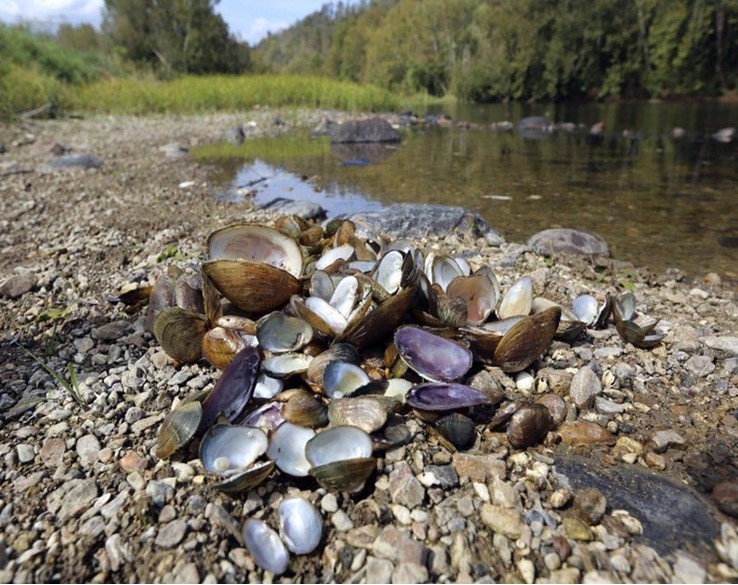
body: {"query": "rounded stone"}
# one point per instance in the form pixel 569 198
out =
pixel 88 450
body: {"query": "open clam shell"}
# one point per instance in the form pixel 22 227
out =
pixel 300 525
pixel 303 408
pixel 624 307
pixel 280 333
pixel 643 337
pixel 254 287
pixel 367 413
pixel 347 475
pixel 342 378
pixel 517 300
pixel 344 352
pixel 265 546
pixel 527 340
pixel 287 448
pixel 377 323
pixel 257 244
pixel 284 365
pixel 479 294
pixel 433 357
pixel 221 344
pixel 337 444
pixel 226 450
pixel 388 273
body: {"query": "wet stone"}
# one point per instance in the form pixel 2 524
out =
pixel 404 487
pixel 329 503
pixel 395 545
pixel 568 241
pixel 171 534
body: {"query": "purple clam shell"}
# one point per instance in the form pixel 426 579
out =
pixel 234 388
pixel 438 396
pixel 432 356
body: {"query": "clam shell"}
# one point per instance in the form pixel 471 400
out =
pixel 188 293
pixel 180 333
pixel 641 337
pixel 268 417
pixel 380 321
pixel 337 444
pixel 479 294
pixel 344 352
pixel 178 428
pixel 345 295
pixel 368 414
pixel 287 448
pixel 482 342
pixel 265 546
pixel 300 525
pixel 253 287
pixel 226 449
pixel 290 225
pixel 267 387
pixel 433 357
pixel 556 407
pixel 247 479
pixel 388 273
pixel 161 297
pixel 443 397
pixel 529 425
pixel 517 300
pixel 442 270
pixel 347 475
pixel 458 429
pixel 342 378
pixel 257 244
pixel 234 388
pixel 344 252
pixel 221 344
pixel 321 285
pixel 527 340
pixel 623 307
pixel 284 365
pixel 304 409
pixel 586 308
pixel 280 333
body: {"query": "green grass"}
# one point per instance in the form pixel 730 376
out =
pixel 269 149
pixel 71 386
pixel 210 93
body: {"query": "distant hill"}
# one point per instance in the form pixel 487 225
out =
pixel 492 50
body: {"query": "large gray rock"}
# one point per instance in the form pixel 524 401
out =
pixel 415 221
pixel 371 130
pixel 305 209
pixel 568 241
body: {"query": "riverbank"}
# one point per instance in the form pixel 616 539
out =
pixel 83 498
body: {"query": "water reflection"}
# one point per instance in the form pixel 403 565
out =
pixel 659 201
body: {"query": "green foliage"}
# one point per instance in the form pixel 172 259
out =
pixel 192 94
pixel 518 49
pixel 71 386
pixel 273 150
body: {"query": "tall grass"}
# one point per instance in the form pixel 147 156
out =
pixel 228 93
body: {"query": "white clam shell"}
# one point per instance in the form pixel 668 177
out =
pixel 267 387
pixel 389 271
pixel 337 444
pixel 517 300
pixel 265 546
pixel 300 525
pixel 340 253
pixel 227 449
pixel 332 316
pixel 287 448
pixel 342 378
pixel 344 296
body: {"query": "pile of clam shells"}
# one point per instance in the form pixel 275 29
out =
pixel 326 341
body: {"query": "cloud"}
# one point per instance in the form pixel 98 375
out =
pixel 53 10
pixel 257 29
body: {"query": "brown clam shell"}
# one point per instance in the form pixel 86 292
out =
pixel 379 322
pixel 180 333
pixel 347 475
pixel 529 425
pixel 303 408
pixel 366 413
pixel 478 292
pixel 253 287
pixel 161 297
pixel 527 340
pixel 179 426
pixel 220 344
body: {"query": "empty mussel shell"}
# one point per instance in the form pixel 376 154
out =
pixel 367 413
pixel 478 292
pixel 346 475
pixel 287 448
pixel 388 273
pixel 623 307
pixel 378 322
pixel 337 444
pixel 284 365
pixel 641 337
pixel 221 344
pixel 300 525
pixel 178 428
pixel 265 546
pixel 433 357
pixel 304 409
pixel 246 479
pixel 517 300
pixel 280 333
pixel 527 340
pixel 161 297
pixel 439 396
pixel 344 352
pixel 227 449
pixel 342 378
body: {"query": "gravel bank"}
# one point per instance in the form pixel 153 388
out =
pixel 83 498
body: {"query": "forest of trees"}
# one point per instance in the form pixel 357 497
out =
pixel 491 50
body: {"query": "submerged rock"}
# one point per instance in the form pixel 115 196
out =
pixel 371 130
pixel 568 241
pixel 415 220
pixel 74 161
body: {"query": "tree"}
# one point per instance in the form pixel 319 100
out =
pixel 175 36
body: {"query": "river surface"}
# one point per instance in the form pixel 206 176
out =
pixel 659 201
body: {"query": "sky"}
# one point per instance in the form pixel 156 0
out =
pixel 249 20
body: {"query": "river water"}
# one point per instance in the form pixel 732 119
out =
pixel 658 200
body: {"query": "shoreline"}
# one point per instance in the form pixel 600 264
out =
pixel 82 495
